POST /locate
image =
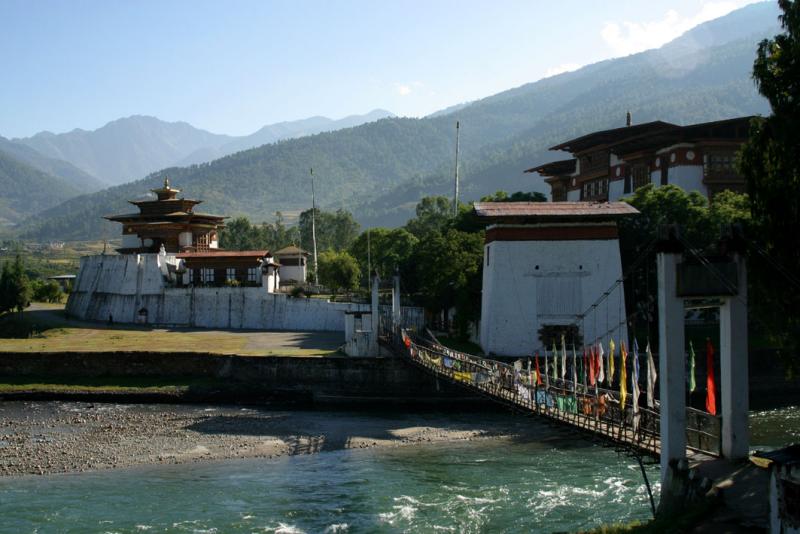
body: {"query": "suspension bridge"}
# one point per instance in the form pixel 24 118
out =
pixel 593 410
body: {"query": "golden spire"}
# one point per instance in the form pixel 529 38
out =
pixel 166 182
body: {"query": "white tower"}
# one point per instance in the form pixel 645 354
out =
pixel 544 263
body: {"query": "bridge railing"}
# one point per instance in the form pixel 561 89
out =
pixel 591 408
pixel 595 409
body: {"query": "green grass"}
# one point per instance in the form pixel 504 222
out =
pixel 121 385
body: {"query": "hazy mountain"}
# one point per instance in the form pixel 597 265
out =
pixel 281 131
pixel 27 190
pixel 127 149
pixel 80 180
pixel 379 170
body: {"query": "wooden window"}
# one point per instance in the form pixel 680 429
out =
pixel 207 275
pixel 641 176
pixel 626 187
pixel 664 171
pixel 252 274
pixel 230 273
pixel 191 276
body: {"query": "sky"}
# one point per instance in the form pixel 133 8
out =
pixel 233 66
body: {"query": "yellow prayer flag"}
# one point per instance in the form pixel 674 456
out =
pixel 623 376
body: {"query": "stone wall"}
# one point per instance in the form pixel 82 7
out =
pixel 331 379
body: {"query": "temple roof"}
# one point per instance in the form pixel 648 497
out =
pixel 551 211
pixel 290 250
pixel 166 192
pixel 222 253
pixel 158 217
pixel 555 168
pixel 730 129
pixel 605 137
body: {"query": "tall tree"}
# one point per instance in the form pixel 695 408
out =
pixel 771 163
pixel 338 270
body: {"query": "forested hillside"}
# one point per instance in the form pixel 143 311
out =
pixel 27 190
pixel 380 170
pixel 80 180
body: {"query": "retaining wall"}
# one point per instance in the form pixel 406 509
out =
pixel 120 286
pixel 322 380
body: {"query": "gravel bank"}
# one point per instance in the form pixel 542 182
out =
pixel 63 437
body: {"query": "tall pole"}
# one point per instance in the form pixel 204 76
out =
pixel 314 228
pixel 455 192
pixel 369 260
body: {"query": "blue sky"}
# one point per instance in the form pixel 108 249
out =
pixel 234 66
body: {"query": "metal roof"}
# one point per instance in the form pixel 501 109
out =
pixel 605 137
pixel 291 249
pixel 553 210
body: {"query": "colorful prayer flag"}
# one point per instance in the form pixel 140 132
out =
pixel 555 361
pixel 652 376
pixel 611 349
pixel 635 376
pixel 692 381
pixel 623 376
pixel 601 375
pixel 563 358
pixel 591 365
pixel 574 369
pixel 538 373
pixel 711 387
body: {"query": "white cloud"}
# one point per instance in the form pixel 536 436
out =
pixel 405 89
pixel 629 37
pixel 561 69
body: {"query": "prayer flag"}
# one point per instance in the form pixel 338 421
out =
pixel 601 375
pixel 574 369
pixel 611 349
pixel 563 358
pixel 591 365
pixel 635 384
pixel 651 377
pixel 583 368
pixel 692 381
pixel 711 387
pixel 555 361
pixel 623 375
pixel 538 373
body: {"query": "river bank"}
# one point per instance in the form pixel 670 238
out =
pixel 39 438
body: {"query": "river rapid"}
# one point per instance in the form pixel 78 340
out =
pixel 550 483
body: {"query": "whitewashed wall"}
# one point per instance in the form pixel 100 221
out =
pixel 120 286
pixel 518 298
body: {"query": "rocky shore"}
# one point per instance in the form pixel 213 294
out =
pixel 64 437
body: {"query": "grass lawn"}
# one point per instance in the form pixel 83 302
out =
pixel 103 384
pixel 56 333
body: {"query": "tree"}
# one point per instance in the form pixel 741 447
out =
pixel 335 231
pixel 770 161
pixel 519 196
pixel 388 250
pixel 434 214
pixel 15 287
pixel 47 291
pixel 447 269
pixel 338 270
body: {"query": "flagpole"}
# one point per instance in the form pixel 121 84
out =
pixel 314 228
pixel 455 192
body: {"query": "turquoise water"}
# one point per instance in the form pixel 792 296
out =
pixel 552 484
pixel 483 486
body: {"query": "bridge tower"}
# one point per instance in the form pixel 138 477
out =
pixel 680 278
pixel 543 264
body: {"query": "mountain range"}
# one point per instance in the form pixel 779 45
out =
pixel 380 169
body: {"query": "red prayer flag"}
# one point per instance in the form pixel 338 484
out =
pixel 591 366
pixel 538 374
pixel 711 386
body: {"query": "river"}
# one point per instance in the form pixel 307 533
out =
pixel 552 483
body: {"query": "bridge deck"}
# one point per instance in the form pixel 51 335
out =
pixel 593 410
